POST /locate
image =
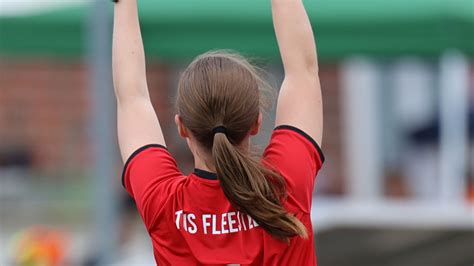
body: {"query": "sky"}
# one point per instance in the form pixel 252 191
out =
pixel 18 7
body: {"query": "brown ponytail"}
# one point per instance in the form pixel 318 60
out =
pixel 222 89
pixel 244 181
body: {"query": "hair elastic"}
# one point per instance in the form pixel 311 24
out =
pixel 219 129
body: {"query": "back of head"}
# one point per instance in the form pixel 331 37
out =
pixel 219 89
pixel 223 89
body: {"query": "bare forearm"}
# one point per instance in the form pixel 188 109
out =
pixel 128 53
pixel 295 36
pixel 300 100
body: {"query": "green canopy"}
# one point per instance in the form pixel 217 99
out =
pixel 180 29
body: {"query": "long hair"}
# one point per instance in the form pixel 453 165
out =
pixel 223 89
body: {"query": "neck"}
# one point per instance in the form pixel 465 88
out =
pixel 200 163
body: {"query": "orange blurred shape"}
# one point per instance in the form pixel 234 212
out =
pixel 39 246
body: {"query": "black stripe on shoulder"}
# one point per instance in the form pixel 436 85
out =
pixel 135 154
pixel 306 136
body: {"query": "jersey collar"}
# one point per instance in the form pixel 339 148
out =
pixel 205 174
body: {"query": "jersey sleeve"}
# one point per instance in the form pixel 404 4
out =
pixel 148 176
pixel 298 158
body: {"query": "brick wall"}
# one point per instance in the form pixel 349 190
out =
pixel 43 110
pixel 331 177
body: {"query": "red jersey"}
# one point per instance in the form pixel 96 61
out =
pixel 191 222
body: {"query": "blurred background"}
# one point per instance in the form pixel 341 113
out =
pixel 397 187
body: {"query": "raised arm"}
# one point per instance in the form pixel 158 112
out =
pixel 299 101
pixel 137 122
